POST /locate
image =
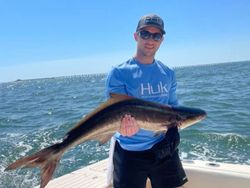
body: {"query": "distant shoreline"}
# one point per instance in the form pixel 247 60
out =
pixel 101 74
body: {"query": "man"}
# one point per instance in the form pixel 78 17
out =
pixel 140 154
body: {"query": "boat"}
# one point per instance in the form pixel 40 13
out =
pixel 201 174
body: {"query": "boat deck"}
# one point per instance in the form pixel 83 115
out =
pixel 200 174
pixel 92 176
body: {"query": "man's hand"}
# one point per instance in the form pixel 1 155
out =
pixel 129 126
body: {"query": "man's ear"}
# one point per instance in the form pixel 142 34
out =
pixel 136 36
pixel 162 38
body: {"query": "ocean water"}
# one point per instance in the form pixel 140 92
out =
pixel 37 113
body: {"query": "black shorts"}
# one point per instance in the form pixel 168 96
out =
pixel 132 168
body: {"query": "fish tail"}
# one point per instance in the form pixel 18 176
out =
pixel 47 159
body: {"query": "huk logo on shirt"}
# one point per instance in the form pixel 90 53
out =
pixel 159 90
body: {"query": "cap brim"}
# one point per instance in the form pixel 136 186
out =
pixel 151 25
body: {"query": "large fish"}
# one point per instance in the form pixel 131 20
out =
pixel 102 123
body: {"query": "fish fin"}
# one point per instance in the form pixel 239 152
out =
pixel 47 172
pixel 119 97
pixel 115 98
pixel 104 138
pixel 47 159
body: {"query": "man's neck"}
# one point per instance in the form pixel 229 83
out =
pixel 144 59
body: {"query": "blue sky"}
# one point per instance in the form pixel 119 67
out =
pixel 47 38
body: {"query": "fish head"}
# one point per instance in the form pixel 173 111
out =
pixel 188 116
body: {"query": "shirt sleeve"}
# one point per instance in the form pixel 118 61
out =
pixel 173 101
pixel 115 83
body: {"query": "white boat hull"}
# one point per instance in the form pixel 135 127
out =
pixel 201 174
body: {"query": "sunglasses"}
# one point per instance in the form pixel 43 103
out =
pixel 145 35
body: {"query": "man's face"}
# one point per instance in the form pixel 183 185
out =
pixel 148 47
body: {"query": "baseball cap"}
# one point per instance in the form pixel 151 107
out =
pixel 151 20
